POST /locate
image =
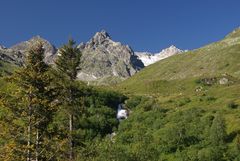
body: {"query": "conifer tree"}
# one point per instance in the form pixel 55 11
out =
pixel 31 105
pixel 218 131
pixel 67 64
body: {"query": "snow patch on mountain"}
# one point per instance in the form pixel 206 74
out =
pixel 2 47
pixel 149 58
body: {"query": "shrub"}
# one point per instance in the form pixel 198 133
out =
pixel 133 102
pixel 232 105
pixel 147 105
pixel 183 102
pixel 198 81
pixel 210 98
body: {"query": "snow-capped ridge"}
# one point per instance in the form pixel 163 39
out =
pixel 2 47
pixel 149 58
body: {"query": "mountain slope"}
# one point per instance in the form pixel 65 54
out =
pixel 9 60
pixel 12 58
pixel 214 59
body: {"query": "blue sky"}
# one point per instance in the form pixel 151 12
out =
pixel 146 25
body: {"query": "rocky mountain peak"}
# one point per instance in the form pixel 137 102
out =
pixel 104 58
pixel 36 38
pixel 50 50
pixel 100 38
pixel 102 35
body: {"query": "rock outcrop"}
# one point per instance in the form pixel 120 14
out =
pixel 103 58
pixel 11 56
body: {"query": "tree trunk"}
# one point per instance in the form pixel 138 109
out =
pixel 70 136
pixel 37 144
pixel 29 134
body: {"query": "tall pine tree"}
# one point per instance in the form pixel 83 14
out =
pixel 31 106
pixel 67 64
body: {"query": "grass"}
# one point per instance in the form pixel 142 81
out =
pixel 217 59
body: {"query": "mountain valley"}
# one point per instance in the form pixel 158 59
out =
pixel 177 104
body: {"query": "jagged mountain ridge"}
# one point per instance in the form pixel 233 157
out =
pixel 102 58
pixel 149 58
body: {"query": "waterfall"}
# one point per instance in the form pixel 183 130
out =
pixel 121 112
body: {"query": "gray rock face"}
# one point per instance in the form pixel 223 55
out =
pixel 10 56
pixel 50 50
pixel 102 58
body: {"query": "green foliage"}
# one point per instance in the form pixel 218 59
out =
pixel 70 98
pixel 218 131
pixel 69 59
pixel 42 98
pixel 133 102
pixel 158 134
pixel 183 101
pixel 29 108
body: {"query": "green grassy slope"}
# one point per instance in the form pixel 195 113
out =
pixel 215 59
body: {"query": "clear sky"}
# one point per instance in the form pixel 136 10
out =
pixel 146 25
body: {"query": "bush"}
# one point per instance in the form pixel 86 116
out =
pixel 183 102
pixel 197 81
pixel 133 102
pixel 232 105
pixel 210 98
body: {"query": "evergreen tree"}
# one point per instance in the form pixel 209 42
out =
pixel 218 131
pixel 67 64
pixel 68 60
pixel 217 147
pixel 31 105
